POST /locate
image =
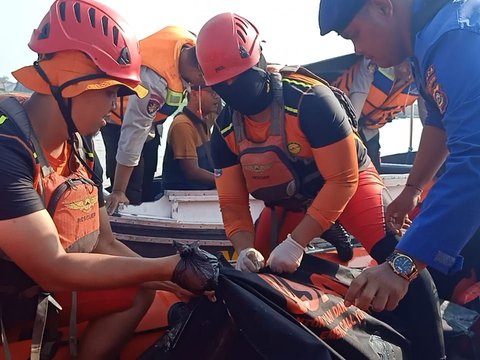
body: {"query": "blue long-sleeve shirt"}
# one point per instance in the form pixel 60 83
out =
pixel 448 73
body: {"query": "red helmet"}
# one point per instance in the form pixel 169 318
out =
pixel 95 29
pixel 227 45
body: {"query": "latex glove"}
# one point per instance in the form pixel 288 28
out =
pixel 397 210
pixel 286 257
pixel 114 200
pixel 250 260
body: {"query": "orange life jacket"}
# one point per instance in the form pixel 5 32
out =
pixel 383 103
pixel 71 199
pixel 271 173
pixel 161 53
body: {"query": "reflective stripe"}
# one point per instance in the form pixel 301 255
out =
pixel 296 82
pixel 224 130
pixel 291 109
pixel 174 98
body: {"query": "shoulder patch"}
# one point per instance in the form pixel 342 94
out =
pixel 154 104
pixel 434 89
pixel 294 147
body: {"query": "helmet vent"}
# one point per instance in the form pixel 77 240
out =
pixel 243 53
pixel 242 36
pixel 124 58
pixel 76 9
pixel 45 32
pixel 115 35
pixel 105 25
pixel 241 29
pixel 62 11
pixel 91 15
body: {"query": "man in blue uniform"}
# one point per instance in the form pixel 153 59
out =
pixel 429 32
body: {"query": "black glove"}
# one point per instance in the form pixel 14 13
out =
pixel 197 270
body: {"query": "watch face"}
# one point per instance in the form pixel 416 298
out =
pixel 403 264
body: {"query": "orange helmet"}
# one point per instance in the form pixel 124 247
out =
pixel 227 45
pixel 95 29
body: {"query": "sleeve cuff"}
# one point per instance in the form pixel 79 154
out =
pixel 437 259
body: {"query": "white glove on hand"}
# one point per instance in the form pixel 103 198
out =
pixel 250 260
pixel 286 257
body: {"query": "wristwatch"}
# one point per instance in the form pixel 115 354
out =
pixel 403 265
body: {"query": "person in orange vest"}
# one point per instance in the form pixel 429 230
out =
pixel 288 138
pixel 378 95
pixel 188 164
pixel 56 245
pixel 169 64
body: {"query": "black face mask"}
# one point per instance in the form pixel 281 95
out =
pixel 249 94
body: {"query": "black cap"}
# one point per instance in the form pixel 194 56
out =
pixel 336 15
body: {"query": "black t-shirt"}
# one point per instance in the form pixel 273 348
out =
pixel 17 169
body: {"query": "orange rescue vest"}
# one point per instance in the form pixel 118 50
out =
pixel 71 200
pixel 161 53
pixel 383 103
pixel 271 173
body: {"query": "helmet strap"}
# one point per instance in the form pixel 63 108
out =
pixel 65 106
pixel 200 102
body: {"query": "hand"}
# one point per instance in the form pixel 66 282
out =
pixel 115 199
pixel 286 257
pixel 250 260
pixel 378 288
pixel 181 293
pixel 396 213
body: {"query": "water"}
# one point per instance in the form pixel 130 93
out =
pixel 394 138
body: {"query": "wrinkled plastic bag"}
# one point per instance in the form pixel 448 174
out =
pixel 197 270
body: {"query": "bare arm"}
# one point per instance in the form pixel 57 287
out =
pixel 56 270
pixel 122 177
pixel 195 173
pixel 107 243
pixel 422 109
pixel 432 152
pixel 242 240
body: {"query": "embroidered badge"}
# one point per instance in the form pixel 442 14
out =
pixel 371 67
pixel 153 106
pixel 434 89
pixel 294 148
pixel 258 168
pixel 83 205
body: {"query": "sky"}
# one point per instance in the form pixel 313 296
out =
pixel 290 30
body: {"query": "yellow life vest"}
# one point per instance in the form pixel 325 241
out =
pixel 161 53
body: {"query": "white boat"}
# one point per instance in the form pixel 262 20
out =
pixel 190 216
